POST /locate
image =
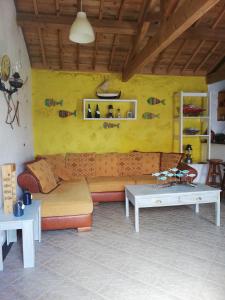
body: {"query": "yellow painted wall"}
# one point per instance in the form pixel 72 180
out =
pixel 56 135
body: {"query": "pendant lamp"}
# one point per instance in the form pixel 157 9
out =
pixel 81 31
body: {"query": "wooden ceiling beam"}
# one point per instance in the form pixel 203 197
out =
pixel 186 15
pixel 116 37
pixel 142 28
pixel 64 22
pixel 78 56
pixel 169 6
pixel 100 13
pixel 95 51
pixel 43 54
pixel 57 7
pixel 35 5
pixel 60 42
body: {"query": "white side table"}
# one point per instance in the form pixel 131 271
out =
pixel 30 223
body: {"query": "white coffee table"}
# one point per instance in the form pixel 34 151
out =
pixel 30 223
pixel 150 195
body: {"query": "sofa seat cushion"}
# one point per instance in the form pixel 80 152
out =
pixel 68 199
pixel 108 183
pixel 144 179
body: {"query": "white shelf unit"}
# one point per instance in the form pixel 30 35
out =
pixel 133 104
pixel 202 118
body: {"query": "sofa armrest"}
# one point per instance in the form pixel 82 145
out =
pixel 28 182
pixel 184 166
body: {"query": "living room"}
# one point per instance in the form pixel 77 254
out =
pixel 93 244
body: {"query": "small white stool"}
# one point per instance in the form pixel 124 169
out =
pixel 30 223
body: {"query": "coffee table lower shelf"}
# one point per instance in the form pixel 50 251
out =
pixel 143 196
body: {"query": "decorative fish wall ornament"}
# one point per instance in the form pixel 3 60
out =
pixel 51 102
pixel 65 113
pixel 111 125
pixel 154 101
pixel 149 115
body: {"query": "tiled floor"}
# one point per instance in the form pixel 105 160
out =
pixel 176 255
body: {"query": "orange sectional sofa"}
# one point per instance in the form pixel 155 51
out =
pixel 84 178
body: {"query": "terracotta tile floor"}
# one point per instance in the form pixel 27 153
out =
pixel 176 255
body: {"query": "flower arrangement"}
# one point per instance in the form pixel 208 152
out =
pixel 176 174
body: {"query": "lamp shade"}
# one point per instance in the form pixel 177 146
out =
pixel 81 31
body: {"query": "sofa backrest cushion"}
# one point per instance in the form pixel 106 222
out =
pixel 81 164
pixel 150 162
pixel 130 164
pixel 106 164
pixel 42 171
pixel 170 160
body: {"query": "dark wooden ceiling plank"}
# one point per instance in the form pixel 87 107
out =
pixel 62 22
pixel 218 63
pixel 197 49
pixel 204 34
pixel 210 53
pixel 181 20
pixel 219 18
pixel 215 76
pixel 177 54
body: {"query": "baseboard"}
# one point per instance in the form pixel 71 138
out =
pixel 5 249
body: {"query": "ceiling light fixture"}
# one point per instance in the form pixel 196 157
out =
pixel 81 31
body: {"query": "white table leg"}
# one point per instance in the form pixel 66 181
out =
pixel 28 244
pixel 126 205
pixel 11 236
pixel 217 211
pixel 37 226
pixel 39 223
pixel 1 260
pixel 196 208
pixel 136 218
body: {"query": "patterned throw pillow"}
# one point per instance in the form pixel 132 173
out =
pixel 130 164
pixel 170 160
pixel 81 164
pixel 56 162
pixel 107 164
pixel 43 173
